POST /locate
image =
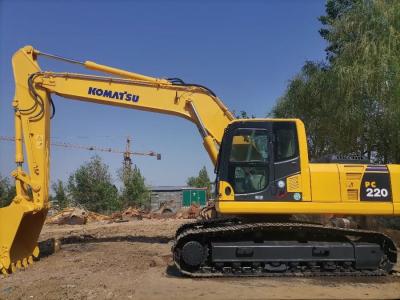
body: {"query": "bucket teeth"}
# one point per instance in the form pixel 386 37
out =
pixel 19 264
pixel 13 268
pixel 36 252
pixel 25 262
pixel 2 270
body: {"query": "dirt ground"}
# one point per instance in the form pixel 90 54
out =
pixel 132 261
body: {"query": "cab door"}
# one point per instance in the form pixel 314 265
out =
pixel 257 157
pixel 246 160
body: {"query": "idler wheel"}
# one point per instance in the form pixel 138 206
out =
pixel 193 253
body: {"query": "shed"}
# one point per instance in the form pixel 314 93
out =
pixel 172 198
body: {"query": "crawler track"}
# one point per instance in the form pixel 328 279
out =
pixel 234 232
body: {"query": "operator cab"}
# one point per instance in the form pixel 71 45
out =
pixel 256 157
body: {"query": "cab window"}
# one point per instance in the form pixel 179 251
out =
pixel 249 160
pixel 250 145
pixel 286 145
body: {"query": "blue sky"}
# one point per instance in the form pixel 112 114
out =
pixel 246 51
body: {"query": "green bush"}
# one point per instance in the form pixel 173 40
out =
pixel 91 186
pixel 7 191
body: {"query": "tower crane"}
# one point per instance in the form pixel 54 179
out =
pixel 127 153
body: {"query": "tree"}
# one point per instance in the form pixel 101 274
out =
pixel 134 191
pixel 7 191
pixel 60 194
pixel 201 181
pixel 91 186
pixel 369 70
pixel 243 115
pixel 334 9
pixel 350 103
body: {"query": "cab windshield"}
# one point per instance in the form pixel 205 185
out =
pixel 250 145
pixel 249 160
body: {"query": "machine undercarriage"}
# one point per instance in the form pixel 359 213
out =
pixel 235 247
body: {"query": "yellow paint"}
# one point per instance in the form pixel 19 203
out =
pixel 153 97
pixel 222 191
pixel 122 73
pixel 293 183
pixel 247 207
pixel 21 222
pixel 350 181
pixel 394 171
pixel 304 164
pixel 325 184
pixel 324 188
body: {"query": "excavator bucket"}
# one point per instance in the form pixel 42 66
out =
pixel 19 232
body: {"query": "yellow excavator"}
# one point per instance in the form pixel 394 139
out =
pixel 263 176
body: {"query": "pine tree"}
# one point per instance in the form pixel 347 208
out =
pixel 134 191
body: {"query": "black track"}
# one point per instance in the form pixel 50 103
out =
pixel 217 230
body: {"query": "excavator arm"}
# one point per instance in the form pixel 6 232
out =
pixel 21 222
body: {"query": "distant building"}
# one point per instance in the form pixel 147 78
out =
pixel 172 198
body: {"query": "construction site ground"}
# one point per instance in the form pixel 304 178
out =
pixel 132 260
